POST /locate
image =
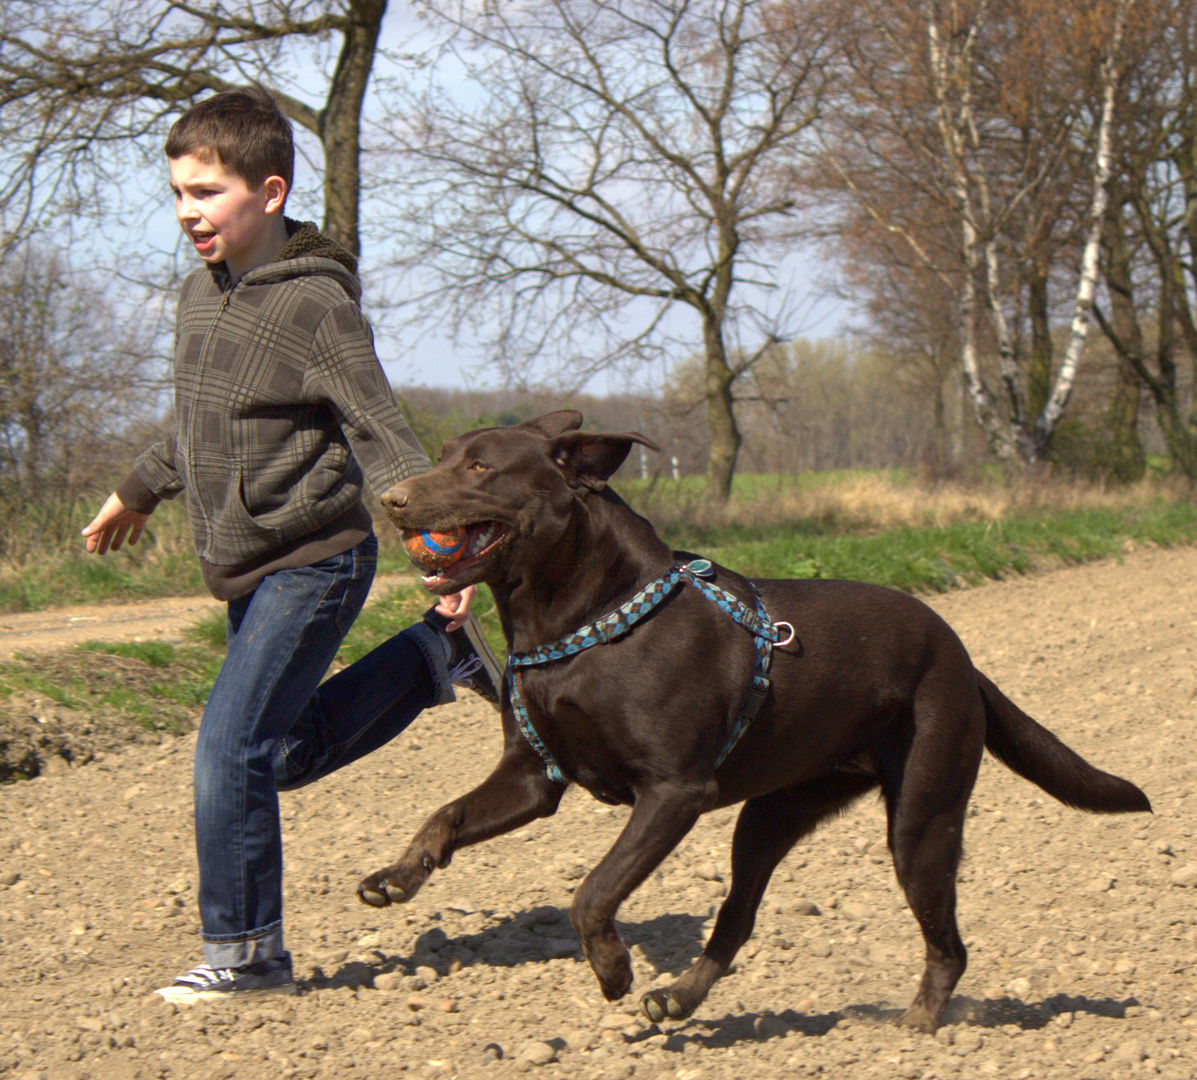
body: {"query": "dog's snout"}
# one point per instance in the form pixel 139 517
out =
pixel 395 498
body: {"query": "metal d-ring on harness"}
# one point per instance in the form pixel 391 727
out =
pixel 620 621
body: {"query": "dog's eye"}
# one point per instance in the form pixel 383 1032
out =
pixel 477 466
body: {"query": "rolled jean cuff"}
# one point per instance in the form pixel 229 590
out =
pixel 251 948
pixel 428 641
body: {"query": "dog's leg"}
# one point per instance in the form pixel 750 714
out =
pixel 661 816
pixel 926 807
pixel 514 794
pixel 767 828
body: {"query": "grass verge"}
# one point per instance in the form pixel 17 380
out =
pixel 870 527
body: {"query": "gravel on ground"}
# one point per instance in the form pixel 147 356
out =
pixel 1082 930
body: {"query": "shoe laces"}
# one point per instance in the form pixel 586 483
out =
pixel 464 668
pixel 206 975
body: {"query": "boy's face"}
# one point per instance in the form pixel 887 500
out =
pixel 223 218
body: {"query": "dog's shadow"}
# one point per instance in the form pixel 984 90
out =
pixel 731 1029
pixel 669 943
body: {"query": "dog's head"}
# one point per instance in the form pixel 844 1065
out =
pixel 513 489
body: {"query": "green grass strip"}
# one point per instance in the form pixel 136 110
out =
pixel 935 559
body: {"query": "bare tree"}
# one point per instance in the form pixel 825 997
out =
pixel 73 375
pixel 1150 250
pixel 79 83
pixel 579 169
pixel 979 112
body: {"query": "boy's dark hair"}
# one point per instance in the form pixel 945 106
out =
pixel 243 129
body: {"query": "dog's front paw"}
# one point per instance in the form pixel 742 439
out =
pixel 612 965
pixel 396 884
pixel 660 1004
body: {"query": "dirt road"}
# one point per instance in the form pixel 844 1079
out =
pixel 1082 930
pixel 164 619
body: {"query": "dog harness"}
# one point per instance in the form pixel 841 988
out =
pixel 617 623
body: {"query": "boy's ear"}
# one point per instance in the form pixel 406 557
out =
pixel 589 458
pixel 275 190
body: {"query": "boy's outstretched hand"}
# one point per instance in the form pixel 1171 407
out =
pixel 110 526
pixel 455 607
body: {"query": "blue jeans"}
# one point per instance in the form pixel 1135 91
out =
pixel 270 724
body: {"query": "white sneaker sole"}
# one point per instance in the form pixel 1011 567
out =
pixel 182 995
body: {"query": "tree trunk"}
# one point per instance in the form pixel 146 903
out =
pixel 1126 334
pixel 1086 287
pixel 725 434
pixel 1039 370
pixel 341 123
pixel 1125 461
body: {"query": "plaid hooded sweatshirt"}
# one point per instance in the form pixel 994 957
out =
pixel 280 406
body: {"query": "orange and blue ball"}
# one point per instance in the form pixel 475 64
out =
pixel 434 549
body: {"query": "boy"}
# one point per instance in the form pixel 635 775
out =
pixel 280 405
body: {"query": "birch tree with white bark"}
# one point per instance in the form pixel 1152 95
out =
pixel 947 107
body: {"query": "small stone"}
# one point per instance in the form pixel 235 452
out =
pixel 579 1039
pixel 389 980
pixel 708 871
pixel 492 1052
pixel 445 1005
pixel 769 1027
pixel 1130 1051
pixel 1186 876
pixel 9 877
pixel 857 912
pixel 615 1022
pixel 966 1041
pixel 806 907
pixel 820 948
pixel 1019 987
pixel 537 1053
pixel 428 974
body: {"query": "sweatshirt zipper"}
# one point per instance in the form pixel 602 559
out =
pixel 192 420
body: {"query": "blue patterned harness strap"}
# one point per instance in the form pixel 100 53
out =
pixel 617 623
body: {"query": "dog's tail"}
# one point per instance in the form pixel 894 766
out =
pixel 1037 755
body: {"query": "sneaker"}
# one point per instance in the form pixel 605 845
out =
pixel 471 663
pixel 205 983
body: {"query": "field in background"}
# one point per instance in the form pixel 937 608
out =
pixel 887 528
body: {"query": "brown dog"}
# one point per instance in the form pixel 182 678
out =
pixel 873 689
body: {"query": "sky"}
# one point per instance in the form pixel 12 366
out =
pixel 428 359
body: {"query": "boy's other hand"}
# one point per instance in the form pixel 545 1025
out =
pixel 455 607
pixel 114 521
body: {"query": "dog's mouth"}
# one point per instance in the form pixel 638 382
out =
pixel 483 538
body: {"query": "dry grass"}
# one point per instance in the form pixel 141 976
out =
pixel 871 502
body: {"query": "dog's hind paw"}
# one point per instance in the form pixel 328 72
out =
pixel 378 892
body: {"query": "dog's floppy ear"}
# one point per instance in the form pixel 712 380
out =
pixel 555 423
pixel 588 458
